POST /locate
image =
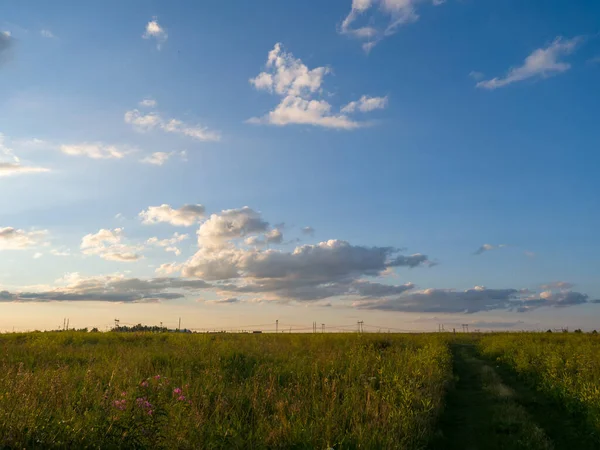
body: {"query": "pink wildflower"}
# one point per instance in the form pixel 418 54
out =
pixel 177 391
pixel 181 398
pixel 144 384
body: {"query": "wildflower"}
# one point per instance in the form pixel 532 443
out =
pixel 181 398
pixel 157 377
pixel 123 394
pixel 144 384
pixel 121 405
pixel 177 391
pixel 149 412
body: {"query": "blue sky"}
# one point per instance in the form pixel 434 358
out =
pixel 406 134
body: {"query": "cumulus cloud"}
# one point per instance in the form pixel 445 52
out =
pixel 15 239
pixel 96 150
pixel 185 216
pixel 322 263
pixel 542 63
pixel 112 288
pixel 169 244
pixel 156 32
pixel 108 244
pixel 150 121
pixel 385 19
pixel 230 224
pixel 297 85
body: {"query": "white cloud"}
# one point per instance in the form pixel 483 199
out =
pixel 8 169
pixel 146 122
pixel 230 224
pixel 94 150
pixel 169 244
pixel 394 13
pixel 37 255
pixel 148 103
pixel 157 158
pixel 15 239
pixel 297 85
pixel 155 31
pixel 366 104
pixel 47 34
pixel 63 252
pixel 10 164
pixel 185 216
pixel 168 268
pixel 108 244
pixel 542 63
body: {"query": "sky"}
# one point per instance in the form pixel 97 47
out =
pixel 405 163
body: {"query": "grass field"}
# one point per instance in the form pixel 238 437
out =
pixel 372 391
pixel 118 390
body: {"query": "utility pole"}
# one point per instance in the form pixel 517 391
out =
pixel 64 323
pixel 465 327
pixel 277 326
pixel 322 328
pixel 179 327
pixel 360 326
pixel 116 323
pixel 67 324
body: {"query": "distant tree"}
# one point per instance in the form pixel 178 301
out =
pixel 94 330
pixel 594 332
pixel 578 330
pixel 549 331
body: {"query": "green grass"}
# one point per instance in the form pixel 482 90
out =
pixel 117 390
pixel 564 368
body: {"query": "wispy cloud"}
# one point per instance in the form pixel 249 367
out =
pixel 542 63
pixel 160 158
pixel 487 247
pixel 10 164
pixel 389 15
pixel 47 34
pixel 144 122
pixel 96 150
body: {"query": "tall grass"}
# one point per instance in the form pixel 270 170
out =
pixel 563 366
pixel 113 390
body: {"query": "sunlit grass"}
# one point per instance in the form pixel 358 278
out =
pixel 121 390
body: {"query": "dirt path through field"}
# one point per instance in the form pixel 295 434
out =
pixel 483 413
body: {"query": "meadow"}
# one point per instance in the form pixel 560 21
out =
pixel 168 390
pixel 321 391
